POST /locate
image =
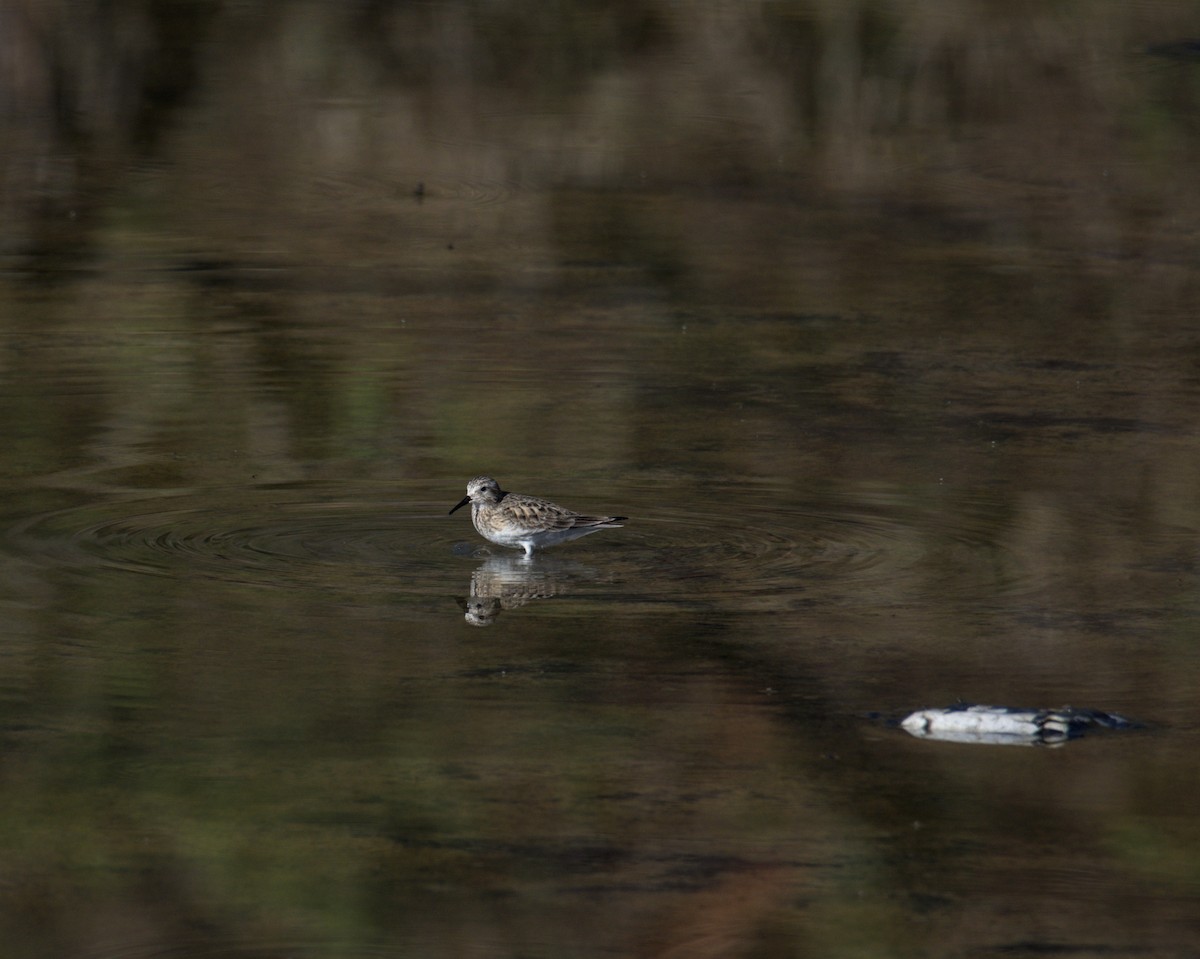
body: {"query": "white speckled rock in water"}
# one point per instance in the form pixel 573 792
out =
pixel 1005 726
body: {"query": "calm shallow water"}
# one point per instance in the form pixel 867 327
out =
pixel 898 391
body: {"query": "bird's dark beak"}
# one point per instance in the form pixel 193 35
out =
pixel 465 500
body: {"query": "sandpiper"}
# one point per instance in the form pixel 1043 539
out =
pixel 526 522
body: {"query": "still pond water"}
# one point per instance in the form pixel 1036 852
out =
pixel 878 324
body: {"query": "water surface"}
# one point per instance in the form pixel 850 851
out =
pixel 879 324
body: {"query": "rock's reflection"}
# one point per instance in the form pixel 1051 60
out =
pixel 508 582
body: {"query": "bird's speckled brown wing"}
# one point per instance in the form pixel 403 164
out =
pixel 537 514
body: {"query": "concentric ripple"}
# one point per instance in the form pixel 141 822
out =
pixel 276 538
pixel 773 554
pixel 758 552
pixel 764 549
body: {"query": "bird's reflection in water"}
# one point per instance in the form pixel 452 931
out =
pixel 506 582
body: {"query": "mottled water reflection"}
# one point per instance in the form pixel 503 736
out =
pixel 877 320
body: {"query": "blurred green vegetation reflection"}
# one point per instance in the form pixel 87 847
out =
pixel 877 318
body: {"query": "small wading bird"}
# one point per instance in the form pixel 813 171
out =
pixel 526 522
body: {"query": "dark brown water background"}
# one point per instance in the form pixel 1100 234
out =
pixel 880 322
